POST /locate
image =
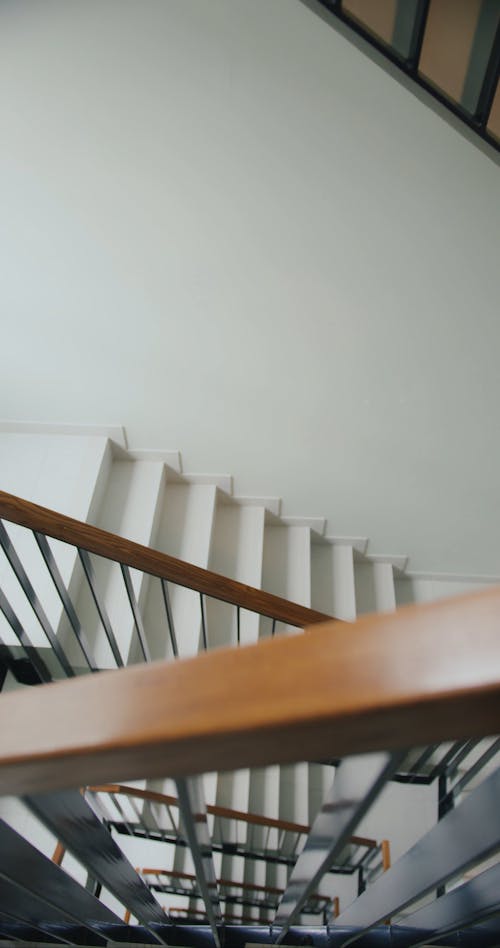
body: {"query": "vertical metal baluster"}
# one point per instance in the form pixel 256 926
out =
pixel 139 816
pixel 33 600
pixel 134 605
pixel 101 609
pixel 170 618
pixel 203 624
pixel 358 781
pixel 238 633
pixel 296 843
pixel 69 817
pixel 64 596
pixel 273 628
pixel 481 762
pixel 24 639
pixel 442 765
pixel 266 838
pixel 158 829
pixel 194 818
pixel 421 761
pixel 122 814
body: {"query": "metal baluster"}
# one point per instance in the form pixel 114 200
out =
pixel 467 835
pixel 134 605
pixel 476 768
pixel 20 916
pixel 139 816
pixel 421 761
pixel 273 628
pixel 466 905
pixel 39 883
pixel 441 766
pixel 357 783
pixel 101 609
pixel 194 818
pixel 203 624
pixel 238 632
pixel 64 596
pixel 33 600
pixel 170 618
pixel 122 814
pixel 466 750
pixel 68 815
pixel 24 639
pixel 157 828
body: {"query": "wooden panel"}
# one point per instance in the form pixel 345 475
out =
pixel 150 561
pixel 379 18
pixel 449 35
pixel 425 674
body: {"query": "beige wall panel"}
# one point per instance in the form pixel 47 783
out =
pixel 448 39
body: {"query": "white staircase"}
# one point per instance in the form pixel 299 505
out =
pixel 146 497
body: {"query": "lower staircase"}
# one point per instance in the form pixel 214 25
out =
pixel 292 843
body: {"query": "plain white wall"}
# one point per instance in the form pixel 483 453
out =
pixel 225 228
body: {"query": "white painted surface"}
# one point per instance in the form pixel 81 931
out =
pixel 130 507
pixel 332 580
pixel 410 589
pixel 66 474
pixel 242 236
pixel 374 584
pixel 184 531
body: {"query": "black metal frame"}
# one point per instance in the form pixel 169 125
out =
pixel 478 121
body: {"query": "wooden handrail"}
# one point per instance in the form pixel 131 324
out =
pixel 424 674
pixel 224 812
pixel 121 550
pixel 254 819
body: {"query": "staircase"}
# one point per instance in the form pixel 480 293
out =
pixel 79 612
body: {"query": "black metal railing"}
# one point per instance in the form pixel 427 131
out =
pixel 403 48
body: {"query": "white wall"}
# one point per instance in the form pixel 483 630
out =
pixel 225 228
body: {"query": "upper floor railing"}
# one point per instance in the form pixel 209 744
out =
pixel 450 50
pixel 90 543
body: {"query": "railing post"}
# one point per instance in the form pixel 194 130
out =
pixel 386 854
pixel 58 854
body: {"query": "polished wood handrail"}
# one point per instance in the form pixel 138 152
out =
pixel 143 558
pixel 421 675
pixel 153 796
pixel 224 812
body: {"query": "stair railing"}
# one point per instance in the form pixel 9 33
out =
pixel 374 688
pixel 90 542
